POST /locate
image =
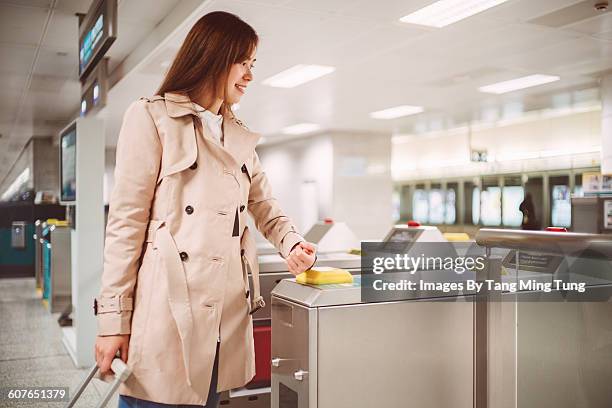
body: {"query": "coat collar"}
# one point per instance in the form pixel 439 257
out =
pixel 238 140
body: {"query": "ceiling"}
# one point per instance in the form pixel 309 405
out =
pixel 379 62
pixel 39 63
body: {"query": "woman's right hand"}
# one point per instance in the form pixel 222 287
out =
pixel 106 350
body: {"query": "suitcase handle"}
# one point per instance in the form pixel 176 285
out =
pixel 122 372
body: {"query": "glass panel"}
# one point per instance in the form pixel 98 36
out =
pixel 561 215
pixel 450 215
pixel 420 206
pixel 436 206
pixel 511 200
pixel 490 211
pixel 476 206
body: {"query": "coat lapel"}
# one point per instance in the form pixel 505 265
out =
pixel 238 141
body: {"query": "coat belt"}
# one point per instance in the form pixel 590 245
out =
pixel 178 294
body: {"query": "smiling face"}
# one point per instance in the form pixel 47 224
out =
pixel 238 79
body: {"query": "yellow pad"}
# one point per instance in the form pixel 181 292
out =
pixel 322 275
pixel 456 236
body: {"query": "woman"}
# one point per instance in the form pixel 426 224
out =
pixel 175 298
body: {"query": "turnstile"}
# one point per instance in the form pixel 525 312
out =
pixel 331 350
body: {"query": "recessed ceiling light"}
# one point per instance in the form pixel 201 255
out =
pixel 396 112
pixel 298 75
pixel 518 83
pixel 445 12
pixel 300 129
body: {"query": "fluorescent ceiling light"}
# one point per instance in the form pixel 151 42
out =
pixel 298 75
pixel 396 112
pixel 445 12
pixel 300 129
pixel 518 83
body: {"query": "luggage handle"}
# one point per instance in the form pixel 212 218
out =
pixel 122 372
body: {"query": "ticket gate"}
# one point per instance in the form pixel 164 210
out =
pixel 499 349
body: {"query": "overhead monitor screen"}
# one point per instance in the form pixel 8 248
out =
pixel 68 165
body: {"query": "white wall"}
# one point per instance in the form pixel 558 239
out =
pixel 290 166
pixel 540 143
pixel 362 183
pixel 351 175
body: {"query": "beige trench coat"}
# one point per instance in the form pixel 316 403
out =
pixel 177 250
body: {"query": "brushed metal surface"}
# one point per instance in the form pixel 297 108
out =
pixel 60 296
pixel 294 331
pixel 413 353
pixel 550 242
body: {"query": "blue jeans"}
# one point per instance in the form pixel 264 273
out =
pixel 126 401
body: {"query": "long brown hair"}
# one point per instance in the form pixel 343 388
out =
pixel 215 42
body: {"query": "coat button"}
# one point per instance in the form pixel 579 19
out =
pixel 241 208
pixel 189 209
pixel 194 166
pixel 247 294
pixel 184 256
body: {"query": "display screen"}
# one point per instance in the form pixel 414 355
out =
pixel 400 239
pixel 561 209
pixel 511 200
pixel 68 164
pixel 90 41
pixel 97 32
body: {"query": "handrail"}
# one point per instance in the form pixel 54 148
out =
pixel 567 243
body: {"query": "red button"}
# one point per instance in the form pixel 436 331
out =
pixel 328 221
pixel 556 229
pixel 413 223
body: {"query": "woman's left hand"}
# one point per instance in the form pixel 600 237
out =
pixel 301 258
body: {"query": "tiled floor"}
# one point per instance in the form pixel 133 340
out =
pixel 31 349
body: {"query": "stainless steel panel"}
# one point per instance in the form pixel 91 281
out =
pixel 417 353
pixel 316 296
pixel 294 328
pixel 60 296
pixel 554 242
pixel 564 354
